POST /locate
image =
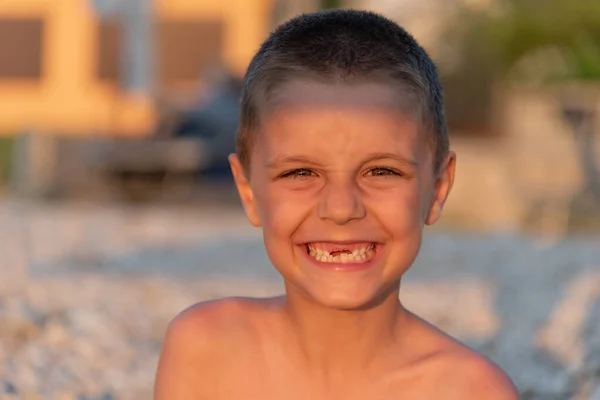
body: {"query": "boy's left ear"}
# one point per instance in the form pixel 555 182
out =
pixel 244 190
pixel 442 187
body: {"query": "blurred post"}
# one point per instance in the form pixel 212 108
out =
pixel 14 249
pixel 136 18
pixel 33 164
pixel 138 68
pixel 581 118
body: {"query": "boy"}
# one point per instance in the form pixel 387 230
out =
pixel 342 158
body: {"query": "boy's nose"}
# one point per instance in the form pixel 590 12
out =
pixel 341 203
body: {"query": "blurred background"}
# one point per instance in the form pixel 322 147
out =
pixel 117 209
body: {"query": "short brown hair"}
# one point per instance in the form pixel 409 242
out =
pixel 347 46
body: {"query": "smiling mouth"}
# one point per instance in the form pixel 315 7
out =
pixel 355 253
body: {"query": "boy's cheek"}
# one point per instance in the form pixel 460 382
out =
pixel 403 204
pixel 281 214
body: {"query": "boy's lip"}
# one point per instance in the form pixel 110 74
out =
pixel 342 242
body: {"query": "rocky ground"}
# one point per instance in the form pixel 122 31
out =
pixel 86 322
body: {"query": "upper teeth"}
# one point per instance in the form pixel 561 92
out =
pixel 355 253
pixel 358 255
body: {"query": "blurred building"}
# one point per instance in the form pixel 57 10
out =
pixel 97 66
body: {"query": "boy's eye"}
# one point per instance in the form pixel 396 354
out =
pixel 382 171
pixel 298 173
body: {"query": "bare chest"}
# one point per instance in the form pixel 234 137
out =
pixel 261 381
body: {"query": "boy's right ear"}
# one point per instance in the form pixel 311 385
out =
pixel 245 191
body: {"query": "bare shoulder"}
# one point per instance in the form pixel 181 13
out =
pixel 197 343
pixel 467 374
pixel 461 372
pixel 204 325
pixel 202 320
pixel 470 375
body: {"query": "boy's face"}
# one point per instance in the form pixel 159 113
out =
pixel 342 184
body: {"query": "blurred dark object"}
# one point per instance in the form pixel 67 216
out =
pixel 188 144
pixel 215 122
pixel 48 166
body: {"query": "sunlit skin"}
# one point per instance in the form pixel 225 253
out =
pixel 329 170
pixel 333 166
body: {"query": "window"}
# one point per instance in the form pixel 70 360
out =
pixel 21 45
pixel 186 48
pixel 110 44
pixel 183 49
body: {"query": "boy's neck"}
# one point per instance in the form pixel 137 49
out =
pixel 343 340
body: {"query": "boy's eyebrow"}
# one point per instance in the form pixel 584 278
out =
pixel 291 159
pixel 371 157
pixel 403 160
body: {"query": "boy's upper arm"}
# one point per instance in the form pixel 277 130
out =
pixel 183 369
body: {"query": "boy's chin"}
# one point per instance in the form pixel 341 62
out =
pixel 346 300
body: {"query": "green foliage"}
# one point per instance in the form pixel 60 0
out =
pixel 529 41
pixel 325 4
pixel 6 147
pixel 522 29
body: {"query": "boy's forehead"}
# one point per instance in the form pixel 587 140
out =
pixel 310 93
pixel 310 117
pixel 310 106
pixel 296 129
